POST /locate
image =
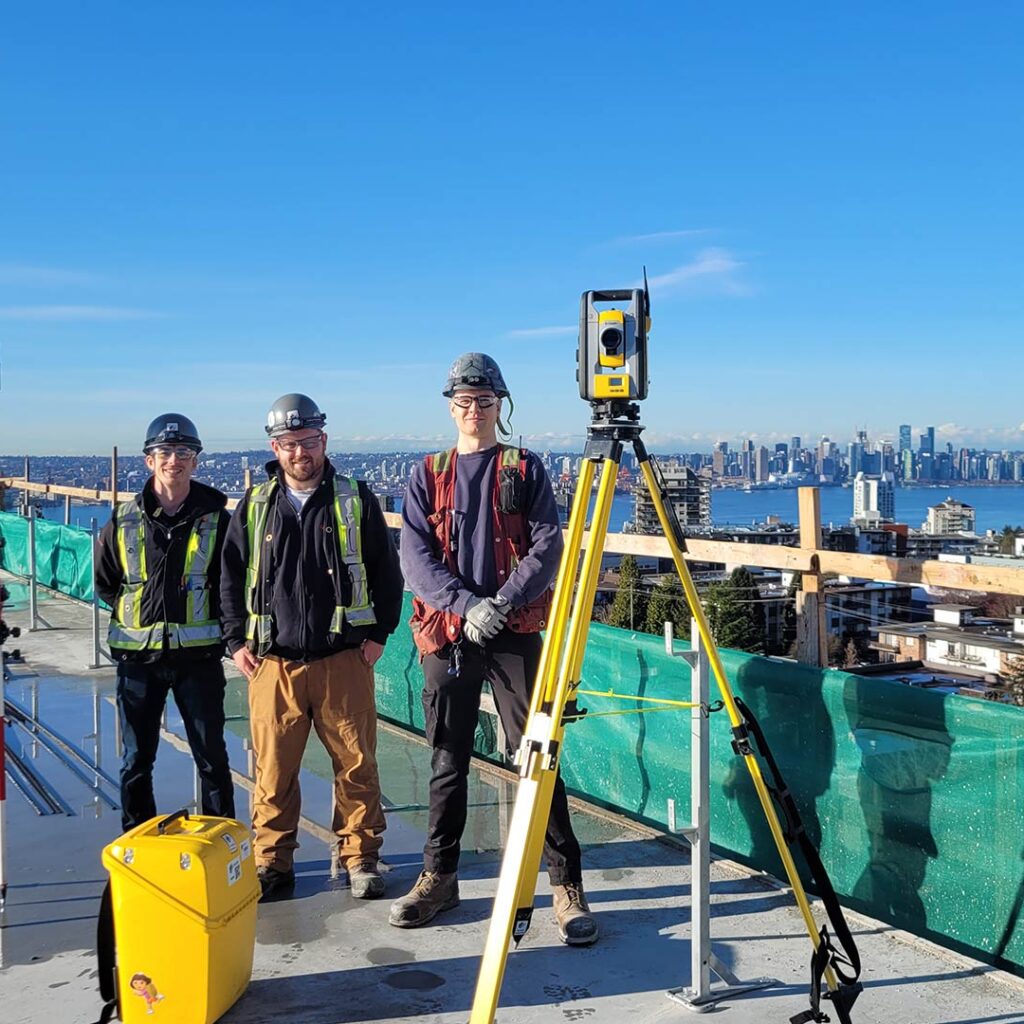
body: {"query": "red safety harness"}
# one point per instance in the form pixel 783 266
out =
pixel 432 628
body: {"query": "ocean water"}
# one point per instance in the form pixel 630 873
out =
pixel 995 507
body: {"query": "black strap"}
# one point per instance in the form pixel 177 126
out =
pixel 105 956
pixel 846 964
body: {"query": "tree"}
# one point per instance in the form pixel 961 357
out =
pixel 668 604
pixel 851 656
pixel 629 609
pixel 1008 537
pixel 1015 682
pixel 734 613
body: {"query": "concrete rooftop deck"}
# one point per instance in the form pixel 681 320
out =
pixel 324 958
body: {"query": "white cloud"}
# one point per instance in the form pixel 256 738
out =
pixel 22 275
pixel 659 236
pixel 541 332
pixel 75 314
pixel 712 269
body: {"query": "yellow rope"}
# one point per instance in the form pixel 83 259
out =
pixel 648 700
pixel 628 711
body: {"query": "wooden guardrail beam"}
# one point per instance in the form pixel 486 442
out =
pixel 950 575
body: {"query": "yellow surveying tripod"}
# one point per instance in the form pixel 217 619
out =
pixel 616 422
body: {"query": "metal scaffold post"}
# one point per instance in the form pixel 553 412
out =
pixel 699 995
pixel 33 607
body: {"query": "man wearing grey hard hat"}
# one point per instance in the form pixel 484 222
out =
pixel 481 544
pixel 158 567
pixel 311 589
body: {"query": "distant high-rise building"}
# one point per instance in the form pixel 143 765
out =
pixel 855 457
pixel 927 439
pixel 747 460
pixel 761 470
pixel 906 442
pixel 874 499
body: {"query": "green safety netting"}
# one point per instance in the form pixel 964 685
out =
pixel 916 797
pixel 63 554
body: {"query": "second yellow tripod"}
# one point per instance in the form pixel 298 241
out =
pixel 615 423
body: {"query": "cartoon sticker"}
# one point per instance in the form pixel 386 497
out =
pixel 234 870
pixel 142 985
pixel 230 840
pixel 246 849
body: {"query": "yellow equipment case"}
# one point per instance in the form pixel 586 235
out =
pixel 184 894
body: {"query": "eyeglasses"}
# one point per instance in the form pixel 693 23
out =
pixel 482 401
pixel 166 452
pixel 308 443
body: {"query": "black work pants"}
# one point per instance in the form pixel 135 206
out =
pixel 198 688
pixel 451 704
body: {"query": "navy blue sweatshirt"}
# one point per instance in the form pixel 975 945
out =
pixel 423 563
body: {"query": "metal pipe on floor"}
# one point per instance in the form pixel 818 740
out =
pixel 47 792
pixel 21 784
pixel 69 764
pixel 13 707
pixel 64 756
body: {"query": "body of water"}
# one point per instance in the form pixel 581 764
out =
pixel 995 507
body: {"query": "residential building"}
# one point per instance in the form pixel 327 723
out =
pixel 949 516
pixel 688 493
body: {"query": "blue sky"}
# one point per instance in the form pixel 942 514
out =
pixel 205 205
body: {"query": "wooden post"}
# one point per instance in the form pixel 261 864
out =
pixel 811 633
pixel 247 478
pixel 113 478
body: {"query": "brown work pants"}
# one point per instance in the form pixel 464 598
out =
pixel 335 695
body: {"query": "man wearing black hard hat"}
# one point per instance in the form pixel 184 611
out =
pixel 159 570
pixel 311 589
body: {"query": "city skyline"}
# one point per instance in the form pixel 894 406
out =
pixel 821 242
pixel 992 440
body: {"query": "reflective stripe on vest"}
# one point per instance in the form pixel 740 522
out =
pixel 126 631
pixel 348 512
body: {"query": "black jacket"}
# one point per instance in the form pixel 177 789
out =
pixel 300 591
pixel 164 594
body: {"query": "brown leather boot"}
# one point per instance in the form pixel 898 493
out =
pixel 576 924
pixel 431 894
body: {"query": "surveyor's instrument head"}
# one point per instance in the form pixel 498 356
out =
pixel 474 370
pixel 294 412
pixel 612 353
pixel 172 428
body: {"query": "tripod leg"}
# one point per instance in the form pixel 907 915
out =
pixel 538 756
pixel 725 689
pixel 564 587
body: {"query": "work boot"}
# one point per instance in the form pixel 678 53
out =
pixel 431 894
pixel 365 880
pixel 275 884
pixel 576 924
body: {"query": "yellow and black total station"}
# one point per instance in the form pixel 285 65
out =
pixel 612 376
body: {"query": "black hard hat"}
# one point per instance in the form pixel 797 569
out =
pixel 172 428
pixel 474 370
pixel 294 412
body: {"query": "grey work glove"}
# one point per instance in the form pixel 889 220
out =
pixel 484 618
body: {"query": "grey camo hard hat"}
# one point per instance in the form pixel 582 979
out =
pixel 475 370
